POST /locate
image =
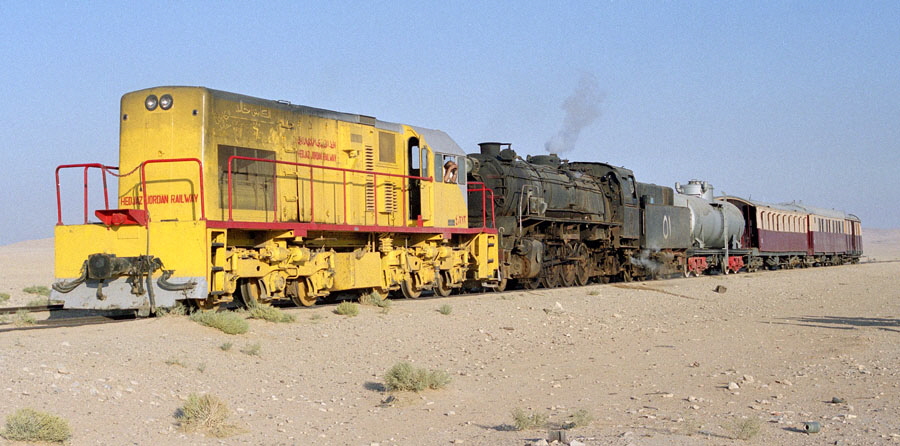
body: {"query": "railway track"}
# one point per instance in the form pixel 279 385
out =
pixel 31 309
pixel 58 317
pixel 76 318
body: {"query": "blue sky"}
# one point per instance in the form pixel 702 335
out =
pixel 778 101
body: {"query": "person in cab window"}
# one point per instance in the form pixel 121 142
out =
pixel 450 169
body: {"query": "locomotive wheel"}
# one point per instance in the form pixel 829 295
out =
pixel 550 278
pixel 531 284
pixel 409 290
pixel 251 291
pixel 501 286
pixel 582 272
pixel 300 296
pixel 442 285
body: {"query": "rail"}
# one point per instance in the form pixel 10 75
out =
pixel 484 190
pixel 31 308
pixel 312 168
pixel 103 169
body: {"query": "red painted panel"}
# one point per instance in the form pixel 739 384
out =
pixel 828 242
pixel 776 241
pixel 301 229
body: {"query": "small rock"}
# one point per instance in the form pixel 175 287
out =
pixel 695 407
pixel 733 386
pixel 837 400
pixel 540 442
pixel 720 289
pixel 576 443
pixel 749 379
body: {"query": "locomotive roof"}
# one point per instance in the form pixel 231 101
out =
pixel 440 141
pixel 437 139
pixel 796 207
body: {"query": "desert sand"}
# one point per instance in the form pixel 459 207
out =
pixel 654 363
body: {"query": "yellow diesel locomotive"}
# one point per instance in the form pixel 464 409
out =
pixel 229 198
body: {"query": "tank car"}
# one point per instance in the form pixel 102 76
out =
pixel 716 229
pixel 228 198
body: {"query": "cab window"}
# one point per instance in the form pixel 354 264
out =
pixel 450 169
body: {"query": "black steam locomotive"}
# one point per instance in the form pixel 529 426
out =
pixel 568 223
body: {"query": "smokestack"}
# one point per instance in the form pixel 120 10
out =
pixel 490 148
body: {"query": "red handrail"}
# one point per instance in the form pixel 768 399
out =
pixel 103 168
pixel 484 189
pixel 311 190
pixel 174 160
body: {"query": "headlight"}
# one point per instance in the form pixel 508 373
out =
pixel 151 102
pixel 165 102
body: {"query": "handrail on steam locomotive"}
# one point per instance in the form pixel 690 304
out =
pixel 311 190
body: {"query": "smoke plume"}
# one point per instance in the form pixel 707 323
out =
pixel 582 108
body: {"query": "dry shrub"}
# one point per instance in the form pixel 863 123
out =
pixel 524 420
pixel 271 314
pixel 23 317
pixel 179 309
pixel 347 309
pixel 252 349
pixel 580 418
pixel 31 425
pixel 4 297
pixel 374 299
pixel 206 413
pixel 227 321
pixel 744 429
pixel 39 290
pixel 445 309
pixel 39 302
pixel 404 377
